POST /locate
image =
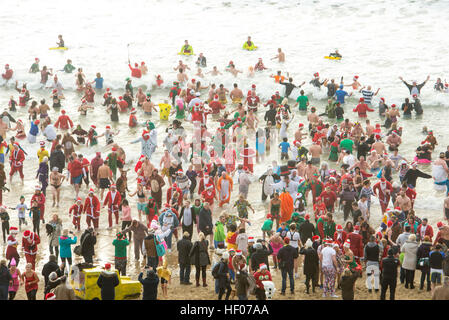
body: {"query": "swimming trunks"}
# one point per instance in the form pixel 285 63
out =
pixel 104 183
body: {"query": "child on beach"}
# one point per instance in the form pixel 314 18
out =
pixel 276 244
pixel 165 274
pixel 21 209
pixel 267 226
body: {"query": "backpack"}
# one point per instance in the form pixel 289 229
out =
pixel 252 285
pixel 215 270
pixel 160 248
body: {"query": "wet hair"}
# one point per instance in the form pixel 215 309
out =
pixel 125 202
pixel 407 228
pixel 233 228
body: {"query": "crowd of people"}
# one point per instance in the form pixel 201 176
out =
pixel 188 193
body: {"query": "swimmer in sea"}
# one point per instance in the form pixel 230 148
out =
pixel 181 65
pixel 181 76
pixel 259 66
pixel 186 48
pixel 84 107
pixel 231 68
pixel 280 56
pixel 214 71
pixel 61 41
pixel 415 88
pixel 201 62
pixel 278 77
pixel 335 54
pixel 355 83
pixel 143 68
pixel 251 72
pixel 248 44
pixel 199 73
pixel 289 86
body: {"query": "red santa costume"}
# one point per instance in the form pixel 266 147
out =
pixel 123 105
pixel 11 249
pixel 92 209
pixel 132 118
pixel 356 243
pixel 64 122
pixel 204 182
pixel 230 156
pixel 17 158
pixel 113 200
pixel 340 236
pixel 30 241
pixel 77 210
pixel 135 72
pixel 209 194
pixel 40 198
pixel 248 158
pixel 426 230
pixel 23 98
pixel 170 191
pixel 382 190
pixel 216 105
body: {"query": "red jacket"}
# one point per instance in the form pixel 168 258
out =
pixel 132 121
pixel 340 241
pixel 11 249
pixel 328 198
pixel 40 198
pixel 92 207
pixel 77 210
pixel 123 105
pixel 135 72
pixel 63 122
pixel 427 232
pixel 260 276
pixel 171 191
pixel 356 244
pixel 75 168
pixel 361 109
pixel 27 244
pixel 8 74
pixel 17 158
pixel 216 106
pixel 113 202
pixel 378 190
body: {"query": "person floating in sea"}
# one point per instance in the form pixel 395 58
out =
pixel 335 54
pixel 60 43
pixel 186 48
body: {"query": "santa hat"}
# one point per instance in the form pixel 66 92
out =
pixel 55 90
pixel 120 98
pixel 339 228
pixel 133 110
pixel 179 171
pixel 253 86
pixel 316 74
pixel 440 225
pixel 42 143
pixel 307 216
pixel 113 186
pixel 37 187
pixel 315 238
pixel 136 64
pixel 238 253
pixel 79 199
pixel 37 121
pixel 108 89
pixel 415 95
pixel 361 99
pixel 393 105
pixel 36 59
pixel 93 126
pixel 63 111
pixel 377 137
pixel 107 266
pixel 6 65
pixel 50 296
pixel 383 99
pixel 27 234
pixel 13 230
pixel 263 266
pixel 301 125
pixel 84 101
pixel 114 149
pixel 356 77
pixel 250 239
pixel 347 243
pixel 108 127
pixel 389 223
pixel 91 190
pixel 383 179
pixel 216 97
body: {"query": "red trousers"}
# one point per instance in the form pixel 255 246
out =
pixel 31 258
pixel 110 217
pixel 16 169
pixel 94 221
pixel 76 222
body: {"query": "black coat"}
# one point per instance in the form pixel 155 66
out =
pixel 199 255
pixel 57 159
pixel 184 246
pixel 306 231
pixel 205 221
pixel 223 271
pixel 149 286
pixel 260 256
pixel 310 260
pixel 88 241
pixel 107 281
pixel 48 268
pixel 286 256
pixel 5 276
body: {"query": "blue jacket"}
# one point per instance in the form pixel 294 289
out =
pixel 34 129
pixel 65 250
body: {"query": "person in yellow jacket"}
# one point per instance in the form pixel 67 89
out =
pixel 186 49
pixel 165 274
pixel 249 45
pixel 41 153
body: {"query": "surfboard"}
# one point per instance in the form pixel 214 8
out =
pixel 58 48
pixel 332 58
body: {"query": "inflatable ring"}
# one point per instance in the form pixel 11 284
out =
pixel 58 48
pixel 332 58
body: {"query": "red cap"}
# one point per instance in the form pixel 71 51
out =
pixel 107 266
pixel 315 238
pixel 356 227
pixel 383 99
pixel 63 111
pixel 108 127
pixel 136 64
pixel 108 89
pixel 383 179
pixel 393 105
pixel 120 97
pixel 440 224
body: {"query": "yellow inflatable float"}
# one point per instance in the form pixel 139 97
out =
pixel 58 48
pixel 186 50
pixel 164 111
pixel 332 58
pixel 249 47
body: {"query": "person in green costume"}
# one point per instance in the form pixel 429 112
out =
pixel 219 234
pixel 35 66
pixel 68 68
pixel 297 219
pixel 112 160
pixel 333 155
pixel 330 108
pixel 92 136
pixel 302 101
pixel 349 258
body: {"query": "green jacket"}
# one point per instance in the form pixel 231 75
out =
pixel 120 248
pixel 297 219
pixel 68 68
pixel 219 234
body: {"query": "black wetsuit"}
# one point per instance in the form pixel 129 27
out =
pixel 201 62
pixel 331 90
pixel 288 88
pixel 417 106
pixel 316 83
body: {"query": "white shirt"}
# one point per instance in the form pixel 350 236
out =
pixel 195 101
pixel 363 206
pixel 328 253
pixel 50 132
pixel 349 160
pixel 294 237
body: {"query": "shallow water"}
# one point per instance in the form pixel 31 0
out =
pixel 379 42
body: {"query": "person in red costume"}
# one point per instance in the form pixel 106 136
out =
pixel 230 156
pixel 64 122
pixel 261 275
pixel 209 194
pixel 135 72
pixel 77 210
pixel 329 198
pixel 205 182
pixel 89 93
pixel 356 243
pixel 340 236
pixel 11 249
pixel 216 105
pixel 92 209
pixel 113 200
pixel 17 158
pixel 8 73
pixel 123 105
pixel 252 100
pixel 75 167
pixel 132 118
pixel 425 229
pixel 319 208
pixel 40 198
pixel 30 240
pixel 171 190
pixel 411 193
pixel 383 190
pixel 362 108
pixel 248 157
